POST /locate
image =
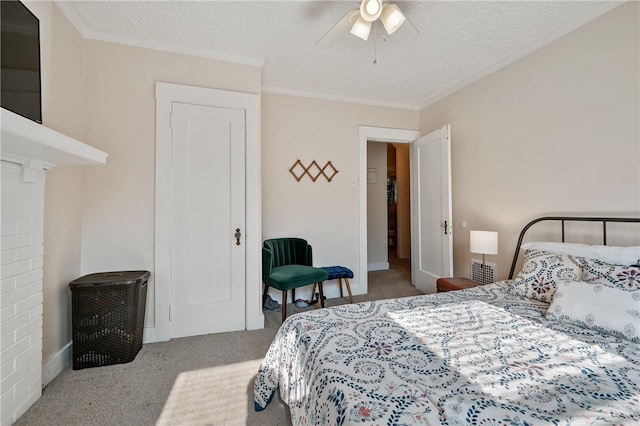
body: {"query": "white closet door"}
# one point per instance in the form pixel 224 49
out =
pixel 208 202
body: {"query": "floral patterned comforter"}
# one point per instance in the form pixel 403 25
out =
pixel 478 356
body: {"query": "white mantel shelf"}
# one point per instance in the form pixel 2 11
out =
pixel 24 140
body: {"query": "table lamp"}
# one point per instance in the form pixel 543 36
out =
pixel 483 242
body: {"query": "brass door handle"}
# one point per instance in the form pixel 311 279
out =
pixel 237 236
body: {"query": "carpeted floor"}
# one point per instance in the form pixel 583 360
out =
pixel 201 380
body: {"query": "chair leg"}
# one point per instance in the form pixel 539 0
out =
pixel 313 290
pixel 321 296
pixel 284 305
pixel 340 285
pixel 346 280
pixel 264 294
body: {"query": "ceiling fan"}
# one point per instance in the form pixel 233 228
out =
pixel 360 20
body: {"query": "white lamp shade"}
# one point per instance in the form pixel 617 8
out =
pixel 370 10
pixel 392 18
pixel 483 242
pixel 361 28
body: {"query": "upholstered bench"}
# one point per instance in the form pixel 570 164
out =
pixel 337 273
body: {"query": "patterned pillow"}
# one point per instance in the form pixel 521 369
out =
pixel 541 271
pixel 598 307
pixel 618 276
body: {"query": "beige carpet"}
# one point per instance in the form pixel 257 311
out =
pixel 202 380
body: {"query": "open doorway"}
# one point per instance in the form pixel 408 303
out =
pixel 368 134
pixel 388 206
pixel 430 159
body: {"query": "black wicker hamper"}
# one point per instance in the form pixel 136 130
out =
pixel 107 317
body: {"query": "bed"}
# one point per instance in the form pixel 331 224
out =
pixel 557 344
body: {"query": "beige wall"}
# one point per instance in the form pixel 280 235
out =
pixel 118 208
pixel 556 132
pixel 62 58
pixel 324 213
pixel 377 213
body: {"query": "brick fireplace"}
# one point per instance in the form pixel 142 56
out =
pixel 28 150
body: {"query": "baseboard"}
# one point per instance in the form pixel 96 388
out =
pixel 55 364
pixel 379 266
pixel 255 322
pixel 149 335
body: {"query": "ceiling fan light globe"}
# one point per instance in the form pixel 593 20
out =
pixel 392 18
pixel 370 10
pixel 361 28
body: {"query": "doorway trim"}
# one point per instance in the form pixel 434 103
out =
pixel 373 134
pixel 166 95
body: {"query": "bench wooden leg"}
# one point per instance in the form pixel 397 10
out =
pixel 346 281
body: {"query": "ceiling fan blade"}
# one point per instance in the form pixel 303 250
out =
pixel 339 29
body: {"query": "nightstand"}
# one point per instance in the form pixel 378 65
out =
pixel 452 284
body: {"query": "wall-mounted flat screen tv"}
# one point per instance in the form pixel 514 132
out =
pixel 20 61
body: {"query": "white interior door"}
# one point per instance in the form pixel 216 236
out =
pixel 432 245
pixel 208 194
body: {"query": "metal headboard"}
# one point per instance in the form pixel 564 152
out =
pixel 564 219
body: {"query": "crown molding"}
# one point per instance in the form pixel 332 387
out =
pixel 90 34
pixel 336 98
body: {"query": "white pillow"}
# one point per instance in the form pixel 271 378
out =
pixel 610 254
pixel 598 307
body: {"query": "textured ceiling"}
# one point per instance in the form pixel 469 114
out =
pixel 459 41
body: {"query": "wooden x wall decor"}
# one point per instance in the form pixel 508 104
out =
pixel 314 171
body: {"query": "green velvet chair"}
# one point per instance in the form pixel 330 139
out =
pixel 287 265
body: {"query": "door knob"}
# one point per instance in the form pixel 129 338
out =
pixel 237 236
